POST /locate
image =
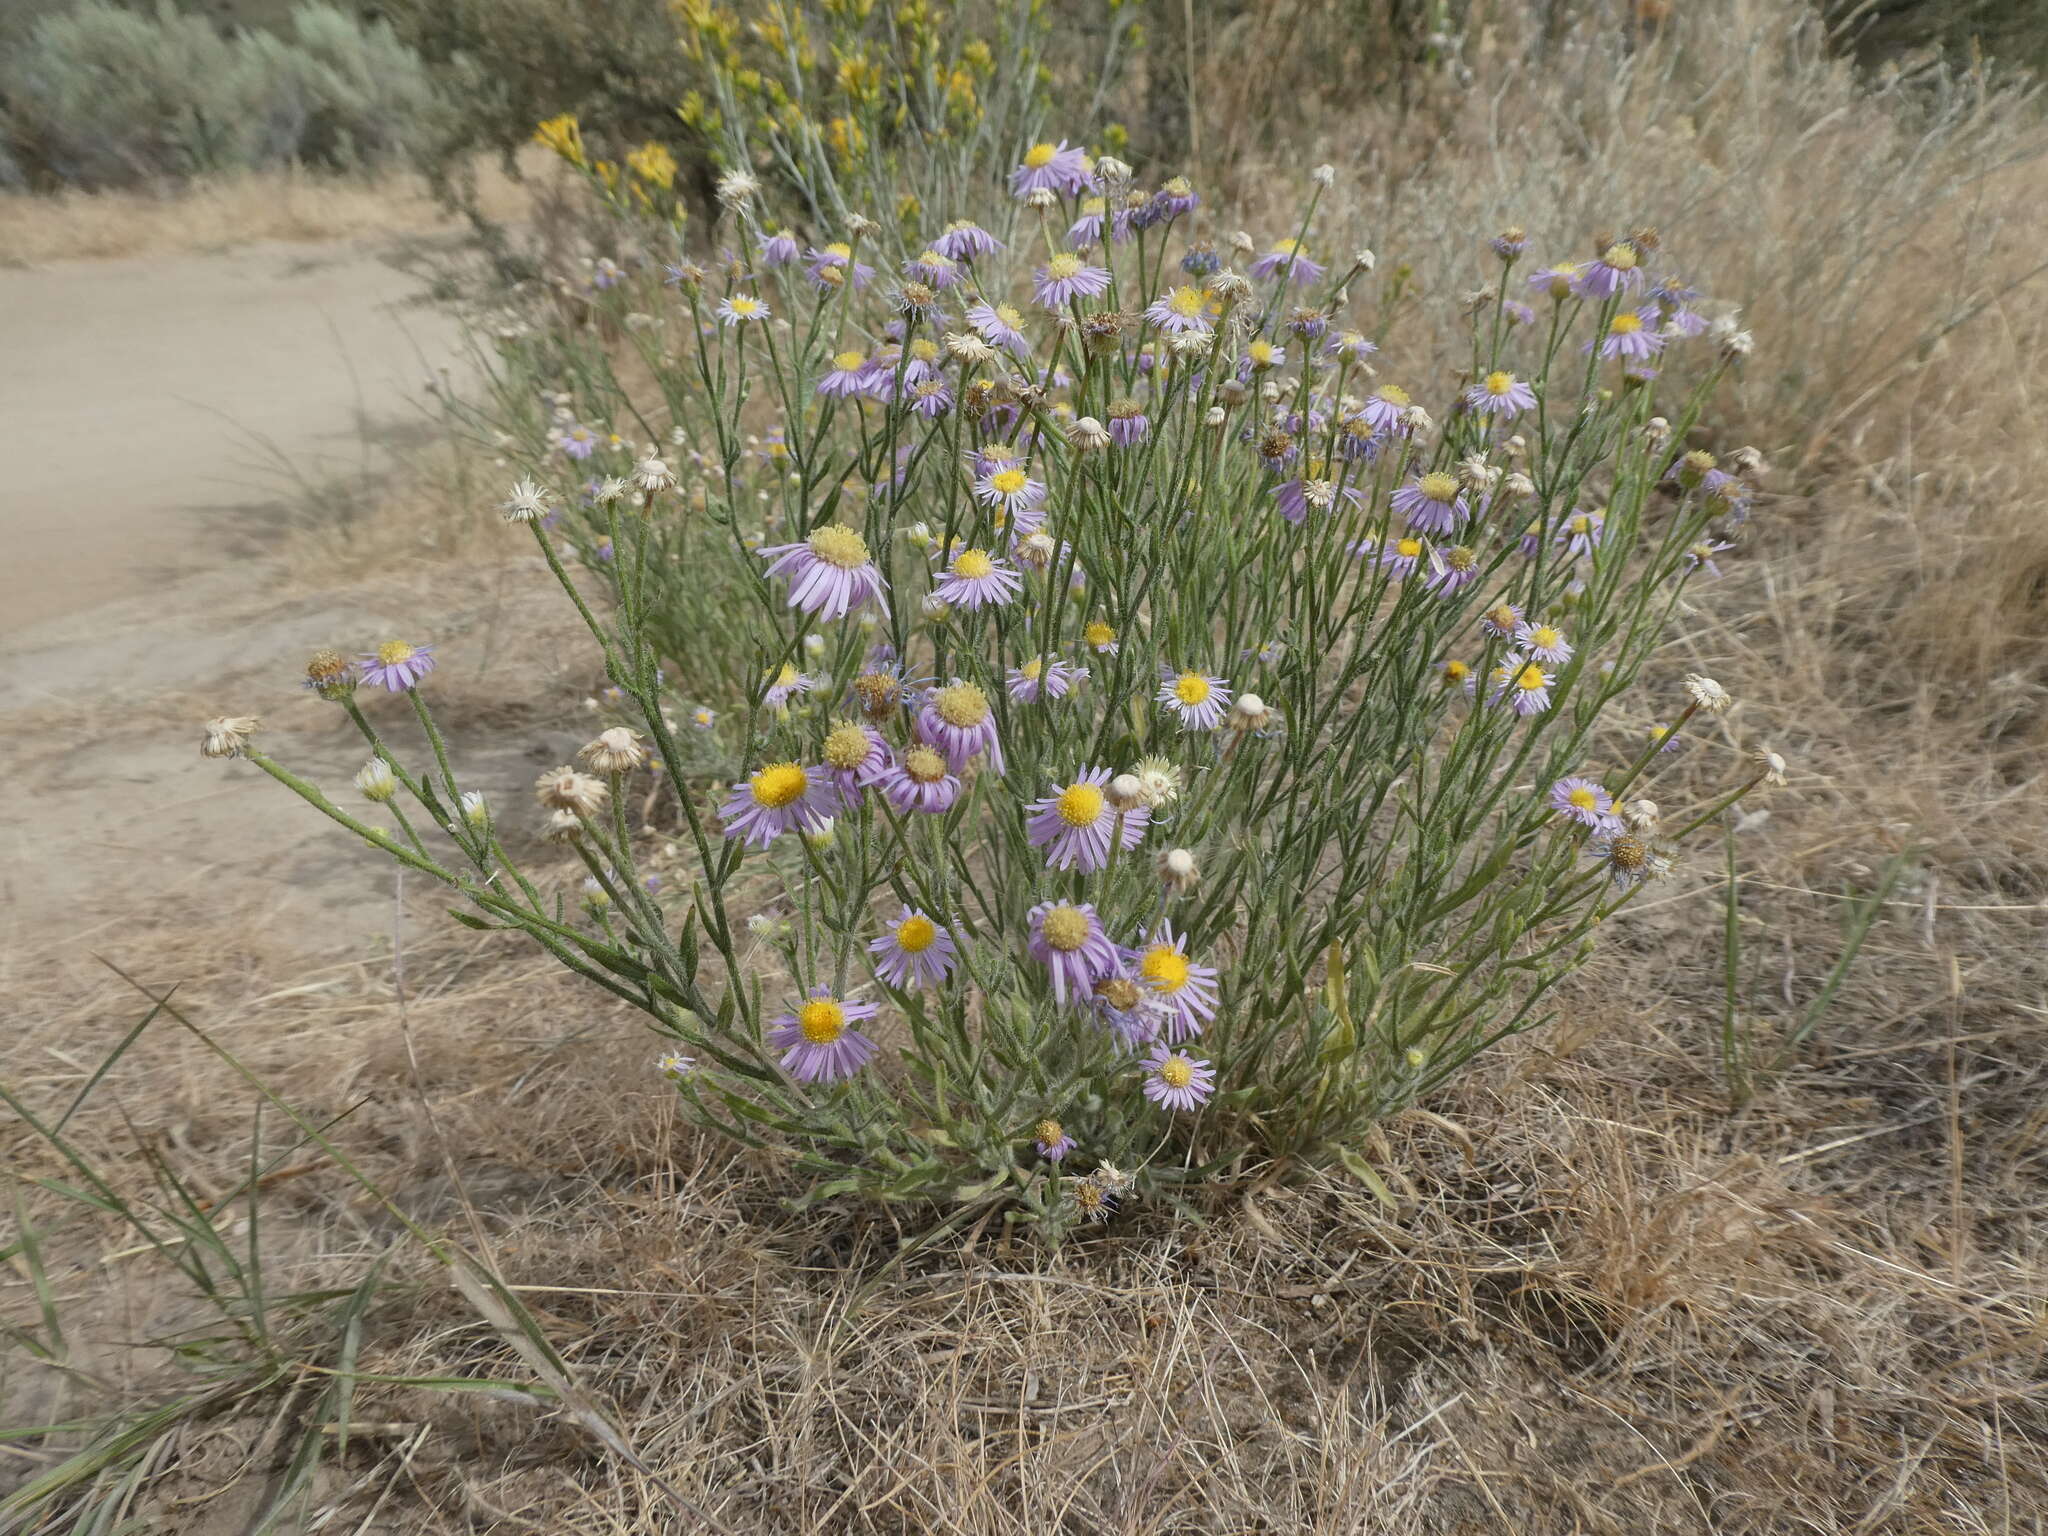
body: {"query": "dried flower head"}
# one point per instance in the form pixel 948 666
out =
pixel 1706 694
pixel 564 789
pixel 618 750
pixel 736 187
pixel 1770 767
pixel 1179 871
pixel 527 502
pixel 227 735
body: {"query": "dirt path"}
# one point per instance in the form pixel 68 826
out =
pixel 156 412
pixel 152 406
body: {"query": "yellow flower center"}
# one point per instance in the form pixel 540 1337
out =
pixel 1098 634
pixel 1456 671
pixel 914 935
pixel 1051 1132
pixel 1499 383
pixel 1009 482
pixel 973 564
pixel 1165 967
pixel 962 705
pixel 786 676
pixel 1408 549
pixel 923 765
pixel 1064 265
pixel 1583 799
pixel 1065 928
pixel 777 785
pixel 1544 636
pixel 821 1020
pixel 1261 353
pixel 1286 247
pixel 1628 853
pixel 742 305
pixel 1080 805
pixel 1031 669
pixel 1393 394
pixel 1627 323
pixel 1009 316
pixel 1191 688
pixel 1460 558
pixel 1581 524
pixel 846 746
pixel 836 544
pixel 934 261
pixel 840 249
pixel 1176 1071
pixel 1621 257
pixel 1529 679
pixel 1502 617
pixel 1039 156
pixel 1186 301
pixel 392 652
pixel 702 717
pixel 1438 486
pixel 846 362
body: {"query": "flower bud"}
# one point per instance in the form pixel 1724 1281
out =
pixel 375 781
pixel 476 810
pixel 227 735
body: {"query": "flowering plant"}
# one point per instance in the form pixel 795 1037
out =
pixel 1159 737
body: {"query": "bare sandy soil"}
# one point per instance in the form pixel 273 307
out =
pixel 169 420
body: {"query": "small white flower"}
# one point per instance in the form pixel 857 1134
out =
pixel 475 809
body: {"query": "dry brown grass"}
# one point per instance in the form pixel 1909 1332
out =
pixel 286 205
pixel 1603 1303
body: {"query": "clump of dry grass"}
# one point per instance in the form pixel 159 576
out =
pixel 288 205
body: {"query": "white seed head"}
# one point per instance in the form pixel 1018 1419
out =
pixel 1656 431
pixel 1518 485
pixel 1363 259
pixel 1242 243
pixel 227 735
pixel 527 503
pixel 1324 175
pixel 1420 422
pixel 564 789
pixel 1177 867
pixel 1041 198
pixel 652 475
pixel 969 349
pixel 1214 416
pixel 1036 549
pixel 1089 435
pixel 1641 815
pixel 735 187
pixel 1770 767
pixel 1249 713
pixel 1707 694
pixel 1112 172
pixel 618 750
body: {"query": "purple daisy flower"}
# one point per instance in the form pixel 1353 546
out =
pixel 1052 168
pixel 741 309
pixel 1185 308
pixel 930 398
pixel 830 572
pixel 1128 424
pixel 396 666
pixel 1555 281
pixel 1502 395
pixel 782 797
pixel 1176 1080
pixel 957 720
pixel 1386 409
pixel 1584 801
pixel 1067 939
pixel 1200 260
pixel 1700 557
pixel 1199 700
pixel 1087 229
pixel 783 684
pixel 1289 257
pixel 1000 326
pixel 1517 312
pixel 1629 337
pixel 975 580
pixel 818 1041
pixel 1545 643
pixel 1176 198
pixel 854 755
pixel 914 952
pixel 1161 964
pixel 848 375
pixel 1012 493
pixel 577 441
pixel 1501 621
pixel 1432 503
pixel 780 249
pixel 1451 570
pixel 1401 556
pixel 1135 1014
pixel 1582 532
pixel 1308 324
pixel 1348 347
pixel 1523 684
pixel 1043 676
pixel 834 264
pixel 933 268
pixel 1052 1140
pixel 919 782
pixel 1618 269
pixel 1067 277
pixel 963 241
pixel 1076 824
